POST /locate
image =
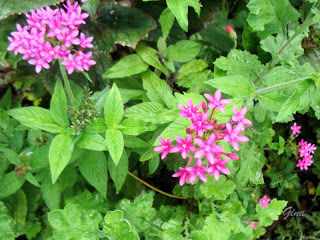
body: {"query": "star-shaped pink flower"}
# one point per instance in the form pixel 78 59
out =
pixel 198 171
pixel 184 146
pixel 264 201
pixel 165 148
pixel 208 148
pixel 189 110
pixel 216 101
pixel 239 116
pixel 233 136
pixel 184 175
pixel 199 124
pixel 218 167
pixel 295 129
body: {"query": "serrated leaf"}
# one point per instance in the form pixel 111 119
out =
pixel 5 222
pixel 93 166
pixel 127 66
pixel 10 183
pixel 237 86
pixel 270 16
pixel 58 105
pixel 166 20
pixel 92 141
pixel 149 55
pixel 182 51
pixel 36 118
pixel 219 190
pixel 119 172
pixel 135 126
pixel 50 192
pixel 113 108
pixel 59 154
pixel 300 99
pixel 194 66
pixel 115 144
pixel 134 142
pixel 97 126
pixel 20 210
pixel 158 90
pixel 272 100
pixel 266 216
pixel 10 155
pixel 31 179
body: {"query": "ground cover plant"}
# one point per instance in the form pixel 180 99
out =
pixel 159 119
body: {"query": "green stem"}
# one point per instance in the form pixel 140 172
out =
pixel 66 82
pixel 152 187
pixel 157 71
pixel 281 85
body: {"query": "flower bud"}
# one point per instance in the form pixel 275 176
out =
pixel 232 156
pixel 204 107
pixel 230 31
pixel 188 130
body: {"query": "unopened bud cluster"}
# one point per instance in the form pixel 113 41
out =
pixel 21 169
pixel 84 113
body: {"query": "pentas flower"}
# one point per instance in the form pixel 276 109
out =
pixel 85 42
pixel 207 148
pixel 264 201
pixel 199 125
pixel 72 63
pixel 165 148
pixel 197 171
pixel 305 152
pixel 218 167
pixel 239 116
pixel 233 137
pixel 254 225
pixel 184 146
pixel 184 175
pixel 189 110
pixel 295 129
pixel 216 101
pixel 39 63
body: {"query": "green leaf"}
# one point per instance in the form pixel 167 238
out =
pixel 113 108
pixel 50 192
pixel 149 55
pixel 194 66
pixel 115 144
pixel 237 86
pixel 266 216
pixel 36 118
pixel 5 101
pixel 195 82
pixel 272 100
pixel 134 142
pixel 75 223
pixel 11 156
pixel 68 177
pixel 300 99
pixel 270 16
pixel 182 51
pixel 148 155
pixel 116 227
pixel 180 10
pixel 14 6
pixel 240 62
pixel 58 105
pixel 97 126
pixel 219 190
pixel 31 179
pixel 154 164
pixel 59 154
pixel 119 172
pixel 40 157
pixel 91 6
pixel 157 89
pixel 5 222
pixel 135 126
pixel 93 166
pixel 166 20
pixel 10 183
pixel 127 66
pixel 20 210
pixel 92 141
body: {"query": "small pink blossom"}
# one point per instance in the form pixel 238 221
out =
pixel 216 101
pixel 72 63
pixel 295 129
pixel 199 124
pixel 85 59
pixel 84 42
pixel 39 62
pixel 218 167
pixel 198 171
pixel 184 175
pixel 184 146
pixel 254 225
pixel 264 201
pixel 189 110
pixel 208 148
pixel 233 136
pixel 165 148
pixel 239 116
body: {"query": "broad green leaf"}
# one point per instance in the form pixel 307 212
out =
pixel 10 183
pixel 113 108
pixel 158 90
pixel 184 98
pixel 97 126
pixel 93 166
pixel 116 227
pixel 240 62
pixel 195 82
pixel 58 105
pixel 119 172
pixel 127 66
pixel 194 66
pixel 135 126
pixel 219 190
pixel 166 20
pixel 270 16
pixel 154 164
pixel 272 100
pixel 300 99
pixel 5 101
pixel 177 128
pixel 266 216
pixel 148 155
pixel 92 141
pixel 75 223
pixel 50 192
pixel 115 144
pixel 20 210
pixel 40 157
pixel 134 142
pixel 91 6
pixel 182 51
pixel 68 177
pixel 180 10
pixel 36 118
pixel 31 179
pixel 17 140
pixel 59 154
pixel 237 86
pixel 9 7
pixel 5 222
pixel 10 155
pixel 149 55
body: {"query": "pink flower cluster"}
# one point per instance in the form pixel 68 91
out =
pixel 204 137
pixel 305 152
pixel 38 39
